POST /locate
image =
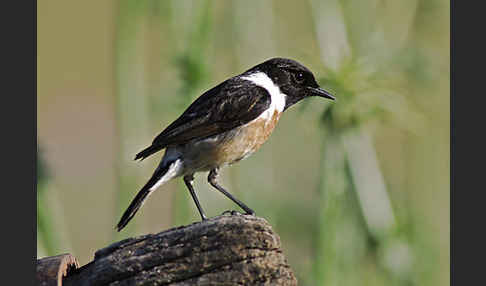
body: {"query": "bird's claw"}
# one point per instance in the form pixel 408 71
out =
pixel 233 212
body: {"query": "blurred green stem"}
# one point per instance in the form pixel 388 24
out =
pixel 131 101
pixel 331 32
pixel 45 224
pixel 331 187
pixel 369 183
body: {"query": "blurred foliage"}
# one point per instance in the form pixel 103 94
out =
pixel 368 89
pixel 192 63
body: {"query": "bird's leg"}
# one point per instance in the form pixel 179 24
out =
pixel 188 179
pixel 213 175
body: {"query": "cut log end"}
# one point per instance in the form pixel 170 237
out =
pixel 225 250
pixel 51 270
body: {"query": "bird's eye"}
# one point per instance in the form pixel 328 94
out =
pixel 299 77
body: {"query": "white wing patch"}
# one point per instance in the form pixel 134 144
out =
pixel 277 97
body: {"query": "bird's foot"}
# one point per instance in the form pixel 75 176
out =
pixel 233 212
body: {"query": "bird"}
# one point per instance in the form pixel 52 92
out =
pixel 225 125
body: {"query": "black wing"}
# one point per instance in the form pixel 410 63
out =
pixel 230 104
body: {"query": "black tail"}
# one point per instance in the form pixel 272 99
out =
pixel 139 199
pixel 147 152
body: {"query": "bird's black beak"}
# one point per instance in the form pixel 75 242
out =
pixel 317 91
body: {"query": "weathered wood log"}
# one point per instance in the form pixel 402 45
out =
pixel 51 270
pixel 225 250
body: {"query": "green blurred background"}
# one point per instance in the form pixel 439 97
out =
pixel 357 189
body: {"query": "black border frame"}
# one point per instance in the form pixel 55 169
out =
pixel 19 144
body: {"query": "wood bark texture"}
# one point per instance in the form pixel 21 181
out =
pixel 225 250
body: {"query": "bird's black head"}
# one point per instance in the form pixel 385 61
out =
pixel 294 80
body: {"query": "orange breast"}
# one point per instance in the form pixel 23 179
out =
pixel 229 147
pixel 247 140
